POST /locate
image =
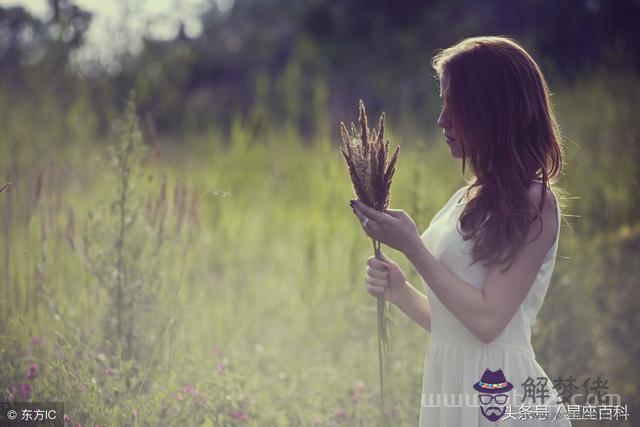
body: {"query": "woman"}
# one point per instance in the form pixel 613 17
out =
pixel 487 256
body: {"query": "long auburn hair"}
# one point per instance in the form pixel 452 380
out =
pixel 503 117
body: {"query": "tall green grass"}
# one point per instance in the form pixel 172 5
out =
pixel 259 314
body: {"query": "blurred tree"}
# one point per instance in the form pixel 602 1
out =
pixel 28 42
pixel 355 48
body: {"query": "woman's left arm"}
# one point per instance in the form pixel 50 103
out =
pixel 487 311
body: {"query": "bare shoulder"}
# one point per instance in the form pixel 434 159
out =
pixel 548 213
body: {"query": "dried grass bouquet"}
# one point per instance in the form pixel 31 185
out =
pixel 367 156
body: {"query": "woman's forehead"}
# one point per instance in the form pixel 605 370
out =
pixel 444 81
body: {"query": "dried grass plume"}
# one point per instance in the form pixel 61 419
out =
pixel 366 153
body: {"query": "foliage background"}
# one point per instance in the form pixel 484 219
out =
pixel 235 226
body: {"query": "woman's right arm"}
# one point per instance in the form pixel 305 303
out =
pixel 385 278
pixel 415 305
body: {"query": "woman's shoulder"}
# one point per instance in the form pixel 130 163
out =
pixel 458 195
pixel 536 196
pixel 545 201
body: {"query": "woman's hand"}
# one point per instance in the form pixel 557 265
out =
pixel 393 227
pixel 385 278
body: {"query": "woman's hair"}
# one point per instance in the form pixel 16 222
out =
pixel 502 116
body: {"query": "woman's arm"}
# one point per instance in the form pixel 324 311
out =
pixel 415 305
pixel 487 311
pixel 385 278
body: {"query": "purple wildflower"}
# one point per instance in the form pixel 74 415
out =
pixel 188 389
pixel 32 373
pixel 24 391
pixel 238 415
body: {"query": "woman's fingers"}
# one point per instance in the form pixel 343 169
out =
pixel 379 274
pixel 381 217
pixel 359 214
pixel 375 290
pixel 377 277
pixel 377 264
pixel 376 281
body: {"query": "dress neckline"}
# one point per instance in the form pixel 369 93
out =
pixel 462 200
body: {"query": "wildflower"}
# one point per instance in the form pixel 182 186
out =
pixel 67 418
pixel 36 341
pixel 360 386
pixel 109 371
pixel 180 397
pixel 188 389
pixel 341 415
pixel 24 391
pixel 355 398
pixel 238 415
pixel 32 373
pixel 221 366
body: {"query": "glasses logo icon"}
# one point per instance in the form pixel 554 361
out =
pixel 492 388
pixel 500 399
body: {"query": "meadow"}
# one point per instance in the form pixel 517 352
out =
pixel 208 279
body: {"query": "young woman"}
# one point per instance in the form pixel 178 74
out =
pixel 487 256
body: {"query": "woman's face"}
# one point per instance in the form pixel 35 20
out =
pixel 445 121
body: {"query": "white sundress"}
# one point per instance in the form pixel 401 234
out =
pixel 456 359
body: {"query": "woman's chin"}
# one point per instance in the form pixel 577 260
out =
pixel 456 153
pixel 454 148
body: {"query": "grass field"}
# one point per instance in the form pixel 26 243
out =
pixel 221 281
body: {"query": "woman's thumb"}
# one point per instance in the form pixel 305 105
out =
pixel 384 259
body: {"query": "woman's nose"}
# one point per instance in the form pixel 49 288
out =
pixel 443 121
